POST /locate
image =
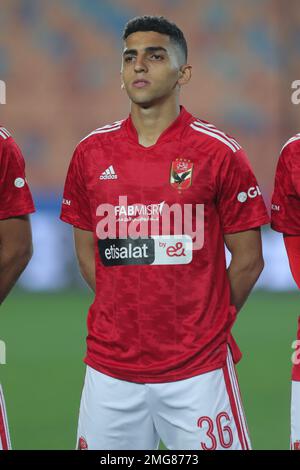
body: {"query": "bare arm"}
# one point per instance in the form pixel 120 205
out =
pixel 15 251
pixel 246 265
pixel 85 251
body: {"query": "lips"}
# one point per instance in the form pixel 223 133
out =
pixel 140 83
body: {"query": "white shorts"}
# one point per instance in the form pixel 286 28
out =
pixel 4 433
pixel 201 412
pixel 295 416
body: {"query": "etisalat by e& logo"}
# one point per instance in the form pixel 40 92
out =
pixel 154 233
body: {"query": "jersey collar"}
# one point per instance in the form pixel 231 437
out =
pixel 173 131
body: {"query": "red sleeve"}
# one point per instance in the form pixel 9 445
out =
pixel 76 206
pixel 286 195
pixel 239 200
pixel 15 194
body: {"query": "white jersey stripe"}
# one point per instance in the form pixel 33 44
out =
pixel 214 129
pixel 217 131
pixel 3 135
pixel 290 141
pixel 5 131
pixel 238 401
pixel 115 124
pixel 297 137
pixel 223 133
pixel 101 132
pixel 106 130
pixel 216 136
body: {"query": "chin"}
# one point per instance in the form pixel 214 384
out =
pixel 142 101
pixel 145 101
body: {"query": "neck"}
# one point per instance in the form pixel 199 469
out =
pixel 151 122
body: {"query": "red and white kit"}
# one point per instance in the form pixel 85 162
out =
pixel 286 219
pixel 16 200
pixel 162 309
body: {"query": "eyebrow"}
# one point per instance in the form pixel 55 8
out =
pixel 147 49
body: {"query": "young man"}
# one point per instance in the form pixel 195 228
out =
pixel 158 360
pixel 286 219
pixel 15 233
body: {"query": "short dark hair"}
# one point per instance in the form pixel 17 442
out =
pixel 159 24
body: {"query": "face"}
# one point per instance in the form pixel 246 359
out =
pixel 152 67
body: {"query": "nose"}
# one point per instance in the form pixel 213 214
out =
pixel 140 65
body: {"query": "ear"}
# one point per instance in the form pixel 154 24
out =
pixel 185 74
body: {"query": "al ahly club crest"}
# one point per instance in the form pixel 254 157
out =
pixel 181 173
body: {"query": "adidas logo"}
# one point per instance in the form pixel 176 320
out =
pixel 109 174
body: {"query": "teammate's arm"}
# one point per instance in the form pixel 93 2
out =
pixel 15 251
pixel 246 264
pixel 85 251
pixel 292 245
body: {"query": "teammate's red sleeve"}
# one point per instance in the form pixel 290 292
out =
pixel 75 208
pixel 239 200
pixel 15 195
pixel 292 245
pixel 285 213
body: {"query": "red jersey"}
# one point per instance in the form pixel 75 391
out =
pixel 15 195
pixel 286 205
pixel 162 304
pixel 286 197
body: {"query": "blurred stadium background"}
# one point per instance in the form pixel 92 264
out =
pixel 60 60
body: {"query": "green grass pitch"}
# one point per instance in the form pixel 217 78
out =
pixel 43 377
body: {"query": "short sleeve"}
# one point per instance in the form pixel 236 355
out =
pixel 285 212
pixel 75 205
pixel 239 201
pixel 15 195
